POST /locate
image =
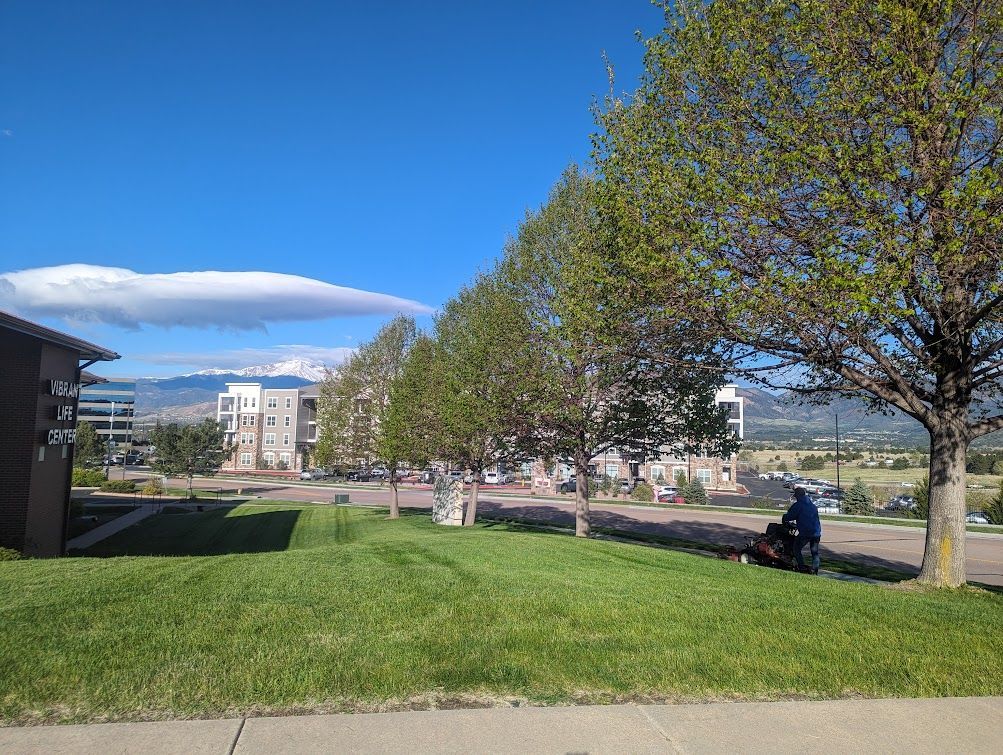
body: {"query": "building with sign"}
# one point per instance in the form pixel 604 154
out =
pixel 39 392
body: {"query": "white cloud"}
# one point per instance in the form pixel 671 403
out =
pixel 227 300
pixel 249 357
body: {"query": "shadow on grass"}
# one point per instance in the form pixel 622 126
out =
pixel 207 533
pixel 704 535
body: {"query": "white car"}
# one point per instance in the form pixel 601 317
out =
pixel 826 507
pixel 491 478
pixel 977 517
pixel 765 475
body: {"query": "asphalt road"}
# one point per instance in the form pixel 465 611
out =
pixel 899 548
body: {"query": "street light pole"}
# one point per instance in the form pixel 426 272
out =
pixel 837 450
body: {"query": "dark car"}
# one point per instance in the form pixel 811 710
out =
pixel 831 494
pixel 427 476
pixel 569 486
pixel 901 503
pixel 357 475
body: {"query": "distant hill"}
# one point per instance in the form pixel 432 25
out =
pixel 194 395
pixel 782 418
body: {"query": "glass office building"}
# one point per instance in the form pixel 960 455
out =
pixel 109 407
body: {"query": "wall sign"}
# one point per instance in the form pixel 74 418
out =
pixel 59 436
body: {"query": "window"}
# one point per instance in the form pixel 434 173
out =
pixel 703 475
pixel 612 470
pixel 289 402
pixel 243 420
pixel 245 402
pixel 287 421
pixel 273 402
pixel 656 473
pixel 269 457
pixel 247 439
pixel 245 460
pixel 270 420
pixel 285 439
pixel 269 439
pixel 285 457
pixel 252 419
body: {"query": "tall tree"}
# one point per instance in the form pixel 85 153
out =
pixel 595 389
pixel 353 402
pixel 825 175
pixel 88 448
pixel 410 429
pixel 483 367
pixel 189 450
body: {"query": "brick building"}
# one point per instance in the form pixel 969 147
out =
pixel 270 428
pixel 39 391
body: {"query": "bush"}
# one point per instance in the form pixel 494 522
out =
pixel 9 554
pixel 859 499
pixel 782 466
pixel 900 463
pixel 922 495
pixel 762 503
pixel 994 509
pixel 643 492
pixel 695 494
pixel 87 478
pixel 119 486
pixel 153 486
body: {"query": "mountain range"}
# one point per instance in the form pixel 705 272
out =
pixel 776 418
pixel 194 395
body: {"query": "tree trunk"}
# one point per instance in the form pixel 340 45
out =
pixel 395 511
pixel 471 515
pixel 944 555
pixel 582 528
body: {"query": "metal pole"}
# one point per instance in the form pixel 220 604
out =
pixel 837 450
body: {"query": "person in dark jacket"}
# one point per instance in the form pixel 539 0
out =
pixel 805 513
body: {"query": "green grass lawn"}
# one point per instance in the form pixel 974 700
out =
pixel 299 607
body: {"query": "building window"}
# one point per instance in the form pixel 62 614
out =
pixel 285 439
pixel 657 474
pixel 269 458
pixel 247 439
pixel 612 470
pixel 245 402
pixel 289 402
pixel 270 420
pixel 252 420
pixel 703 476
pixel 245 460
pixel 269 439
pixel 273 402
pixel 285 457
pixel 287 421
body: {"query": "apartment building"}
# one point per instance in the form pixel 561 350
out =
pixel 270 428
pixel 713 472
pixel 109 407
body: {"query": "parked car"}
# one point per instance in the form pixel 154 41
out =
pixel 427 476
pixel 901 503
pixel 765 475
pixel 813 487
pixel 306 474
pixel 569 485
pixel 666 494
pixel 826 506
pixel 491 478
pixel 379 473
pixel 977 517
pixel 831 494
pixel 455 474
pixel 507 479
pixel 357 475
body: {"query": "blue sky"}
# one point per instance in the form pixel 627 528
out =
pixel 384 147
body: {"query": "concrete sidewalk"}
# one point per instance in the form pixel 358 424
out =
pixel 96 535
pixel 970 725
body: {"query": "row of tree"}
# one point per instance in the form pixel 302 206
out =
pixel 808 195
pixel 548 355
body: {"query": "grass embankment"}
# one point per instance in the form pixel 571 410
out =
pixel 328 608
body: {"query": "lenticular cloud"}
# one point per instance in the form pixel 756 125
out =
pixel 239 301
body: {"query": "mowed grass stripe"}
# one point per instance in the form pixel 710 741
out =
pixel 320 606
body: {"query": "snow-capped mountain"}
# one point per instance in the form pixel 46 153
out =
pixel 312 372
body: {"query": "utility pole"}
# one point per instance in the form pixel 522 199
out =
pixel 837 450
